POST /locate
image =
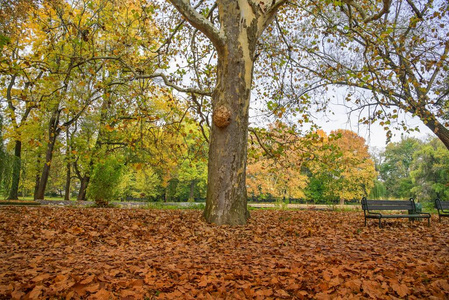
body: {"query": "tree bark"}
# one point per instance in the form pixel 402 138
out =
pixel 67 182
pixel 68 170
pixel 40 194
pixel 38 177
pixel 83 188
pixel 192 191
pixel 440 131
pixel 226 203
pixel 17 163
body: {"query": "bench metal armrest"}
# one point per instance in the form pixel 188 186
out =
pixel 422 213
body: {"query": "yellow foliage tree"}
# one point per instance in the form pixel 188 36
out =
pixel 274 167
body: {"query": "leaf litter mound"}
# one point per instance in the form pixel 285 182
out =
pixel 85 253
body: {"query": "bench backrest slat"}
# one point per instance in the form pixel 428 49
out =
pixel 388 204
pixel 390 207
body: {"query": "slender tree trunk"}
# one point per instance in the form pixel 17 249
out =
pixel 67 182
pixel 82 194
pixel 84 180
pixel 38 177
pixel 192 191
pixel 68 170
pixel 17 163
pixel 46 170
pixel 83 188
pixel 53 133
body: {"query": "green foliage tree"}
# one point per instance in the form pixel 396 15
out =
pixel 4 162
pixel 105 180
pixel 379 191
pixel 396 166
pixel 349 175
pixel 192 168
pixel 429 172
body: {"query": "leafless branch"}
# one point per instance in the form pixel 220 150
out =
pixel 200 22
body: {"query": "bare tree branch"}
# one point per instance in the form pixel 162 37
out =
pixel 137 75
pixel 200 22
pixel 365 17
pixel 167 82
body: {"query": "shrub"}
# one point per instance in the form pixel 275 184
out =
pixel 104 183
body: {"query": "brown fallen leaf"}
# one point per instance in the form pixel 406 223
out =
pixel 101 295
pixel 401 289
pixel 35 292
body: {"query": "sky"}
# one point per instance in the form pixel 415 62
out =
pixel 374 135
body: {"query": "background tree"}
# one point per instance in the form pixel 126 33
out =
pixel 349 175
pixel 4 162
pixel 192 172
pixel 275 161
pixel 396 166
pixel 18 77
pixel 73 47
pixel 429 172
pixel 105 181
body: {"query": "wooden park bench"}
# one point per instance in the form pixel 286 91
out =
pixel 442 207
pixel 371 210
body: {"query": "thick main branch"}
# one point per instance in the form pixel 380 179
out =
pixel 200 22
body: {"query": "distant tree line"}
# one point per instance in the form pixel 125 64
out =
pixel 413 168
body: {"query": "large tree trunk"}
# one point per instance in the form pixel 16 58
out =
pixel 241 24
pixel 17 162
pixel 226 201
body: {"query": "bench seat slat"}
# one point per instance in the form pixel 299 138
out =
pixel 404 216
pixel 424 215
